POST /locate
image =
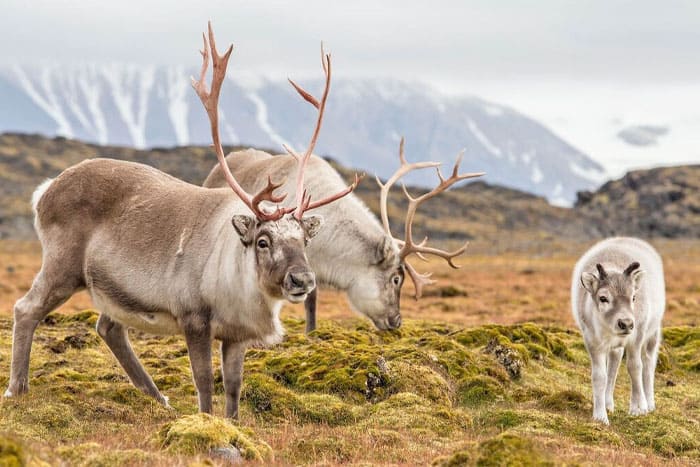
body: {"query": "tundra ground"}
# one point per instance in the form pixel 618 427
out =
pixel 488 369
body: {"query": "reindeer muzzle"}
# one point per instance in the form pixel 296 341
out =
pixel 297 285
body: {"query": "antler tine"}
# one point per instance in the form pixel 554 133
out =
pixel 210 100
pixel 403 169
pixel 409 246
pixel 419 280
pixel 303 199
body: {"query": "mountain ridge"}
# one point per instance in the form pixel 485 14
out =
pixel 152 106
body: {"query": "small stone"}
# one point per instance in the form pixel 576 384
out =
pixel 230 454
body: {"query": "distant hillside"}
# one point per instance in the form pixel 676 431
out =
pixel 658 202
pixel 663 202
pixel 27 160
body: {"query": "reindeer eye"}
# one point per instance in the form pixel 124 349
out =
pixel 603 299
pixel 634 298
pixel 262 243
pixel 396 279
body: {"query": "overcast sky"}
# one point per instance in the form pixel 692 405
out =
pixel 446 42
pixel 501 50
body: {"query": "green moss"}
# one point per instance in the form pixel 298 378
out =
pixel 501 419
pixel 200 433
pixel 686 343
pixel 479 390
pixel 566 400
pixel 662 434
pixel 420 380
pixel 407 411
pixel 511 449
pixel 11 453
pixel 267 397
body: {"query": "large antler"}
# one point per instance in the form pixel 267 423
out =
pixel 210 99
pixel 408 246
pixel 303 199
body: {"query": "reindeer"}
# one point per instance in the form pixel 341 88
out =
pixel 166 257
pixel 618 300
pixel 354 253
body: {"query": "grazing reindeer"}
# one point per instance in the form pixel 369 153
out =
pixel 618 299
pixel 159 254
pixel 354 252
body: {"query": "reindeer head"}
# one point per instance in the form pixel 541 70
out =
pixel 282 268
pixel 277 236
pixel 376 287
pixel 393 259
pixel 614 294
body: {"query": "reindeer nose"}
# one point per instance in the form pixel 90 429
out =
pixel 625 324
pixel 395 321
pixel 305 281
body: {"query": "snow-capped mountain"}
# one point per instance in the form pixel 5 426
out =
pixel 154 106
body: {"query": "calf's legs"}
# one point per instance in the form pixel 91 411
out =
pixel 650 354
pixel 614 358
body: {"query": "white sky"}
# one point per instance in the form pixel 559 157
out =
pixel 584 68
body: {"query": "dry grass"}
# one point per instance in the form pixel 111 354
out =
pixel 445 399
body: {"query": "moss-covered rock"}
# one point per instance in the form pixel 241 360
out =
pixel 201 433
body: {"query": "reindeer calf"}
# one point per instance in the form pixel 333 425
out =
pixel 618 300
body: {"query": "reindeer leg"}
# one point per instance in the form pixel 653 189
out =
pixel 117 339
pixel 198 337
pixel 232 355
pixel 44 296
pixel 310 307
pixel 614 358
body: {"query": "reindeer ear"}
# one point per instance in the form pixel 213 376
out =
pixel 244 226
pixel 590 282
pixel 312 224
pixel 636 276
pixel 385 251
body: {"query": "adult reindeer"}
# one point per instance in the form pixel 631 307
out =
pixel 354 253
pixel 160 255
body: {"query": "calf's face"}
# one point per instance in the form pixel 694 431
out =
pixel 614 294
pixel 282 268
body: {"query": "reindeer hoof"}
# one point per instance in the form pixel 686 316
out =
pixel 602 418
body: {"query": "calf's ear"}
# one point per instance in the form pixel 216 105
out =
pixel 590 282
pixel 244 225
pixel 636 276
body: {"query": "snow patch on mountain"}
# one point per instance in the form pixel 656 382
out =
pixel 150 106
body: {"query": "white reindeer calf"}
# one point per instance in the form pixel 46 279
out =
pixel 618 299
